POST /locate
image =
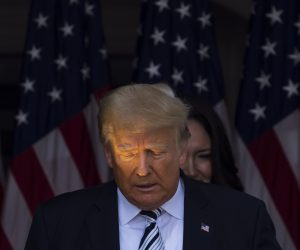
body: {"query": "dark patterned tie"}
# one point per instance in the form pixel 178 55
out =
pixel 151 238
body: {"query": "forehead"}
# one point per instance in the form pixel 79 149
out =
pixel 195 126
pixel 198 132
pixel 156 137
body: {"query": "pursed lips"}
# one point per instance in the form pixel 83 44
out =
pixel 146 187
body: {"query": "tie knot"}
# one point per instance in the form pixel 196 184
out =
pixel 152 215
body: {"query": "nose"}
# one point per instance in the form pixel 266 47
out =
pixel 143 165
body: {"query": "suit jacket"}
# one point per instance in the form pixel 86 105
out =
pixel 215 218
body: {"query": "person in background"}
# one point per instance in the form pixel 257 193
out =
pixel 149 204
pixel 210 158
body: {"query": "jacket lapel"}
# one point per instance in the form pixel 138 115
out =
pixel 102 222
pixel 198 223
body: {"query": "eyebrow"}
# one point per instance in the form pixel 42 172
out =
pixel 125 147
pixel 157 146
pixel 205 150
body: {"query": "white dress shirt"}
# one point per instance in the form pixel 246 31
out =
pixel 170 223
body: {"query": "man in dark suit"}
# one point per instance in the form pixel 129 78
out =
pixel 150 205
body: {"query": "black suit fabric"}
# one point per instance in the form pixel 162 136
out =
pixel 215 218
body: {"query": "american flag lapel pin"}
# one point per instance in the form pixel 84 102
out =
pixel 204 227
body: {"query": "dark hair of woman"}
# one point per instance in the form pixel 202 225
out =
pixel 224 170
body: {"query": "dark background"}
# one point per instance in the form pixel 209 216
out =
pixel 120 20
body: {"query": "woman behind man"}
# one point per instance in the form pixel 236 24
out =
pixel 210 157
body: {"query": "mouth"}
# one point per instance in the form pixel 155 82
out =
pixel 146 187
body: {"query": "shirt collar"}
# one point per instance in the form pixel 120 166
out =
pixel 127 211
pixel 174 206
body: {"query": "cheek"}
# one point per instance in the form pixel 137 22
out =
pixel 204 167
pixel 122 170
pixel 123 177
pixel 170 172
pixel 165 167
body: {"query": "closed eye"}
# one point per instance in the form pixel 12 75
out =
pixel 127 156
pixel 203 155
pixel 157 154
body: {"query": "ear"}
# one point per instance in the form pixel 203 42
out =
pixel 183 157
pixel 108 155
pixel 183 152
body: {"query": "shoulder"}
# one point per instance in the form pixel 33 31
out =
pixel 65 215
pixel 222 197
pixel 227 207
pixel 78 200
pixel 237 218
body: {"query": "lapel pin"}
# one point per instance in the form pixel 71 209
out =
pixel 204 227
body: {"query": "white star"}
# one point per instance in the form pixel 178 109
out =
pixel 55 94
pixel 258 112
pixel 103 52
pixel 177 76
pixel 201 85
pixel 204 19
pixel 153 70
pixel 297 25
pixel 28 85
pixel 67 29
pixel 264 80
pixel 274 15
pixel 41 20
pixel 203 52
pixel 73 2
pixel 180 43
pixel 61 62
pixel 269 48
pixel 21 117
pixel 162 4
pixel 183 10
pixel 295 57
pixel 35 53
pixel 89 9
pixel 85 71
pixel 291 88
pixel 158 36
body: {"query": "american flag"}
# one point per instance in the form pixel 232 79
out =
pixel 56 143
pixel 268 115
pixel 176 45
pixel 205 227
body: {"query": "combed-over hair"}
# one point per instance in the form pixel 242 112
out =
pixel 138 108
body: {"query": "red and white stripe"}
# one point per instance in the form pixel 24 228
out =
pixel 221 109
pixel 269 168
pixel 222 112
pixel 89 113
pixel 68 158
pixel 17 218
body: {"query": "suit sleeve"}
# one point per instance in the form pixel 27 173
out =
pixel 265 235
pixel 37 237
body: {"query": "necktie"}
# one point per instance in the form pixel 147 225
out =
pixel 151 238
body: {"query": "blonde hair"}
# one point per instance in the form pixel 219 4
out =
pixel 138 108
